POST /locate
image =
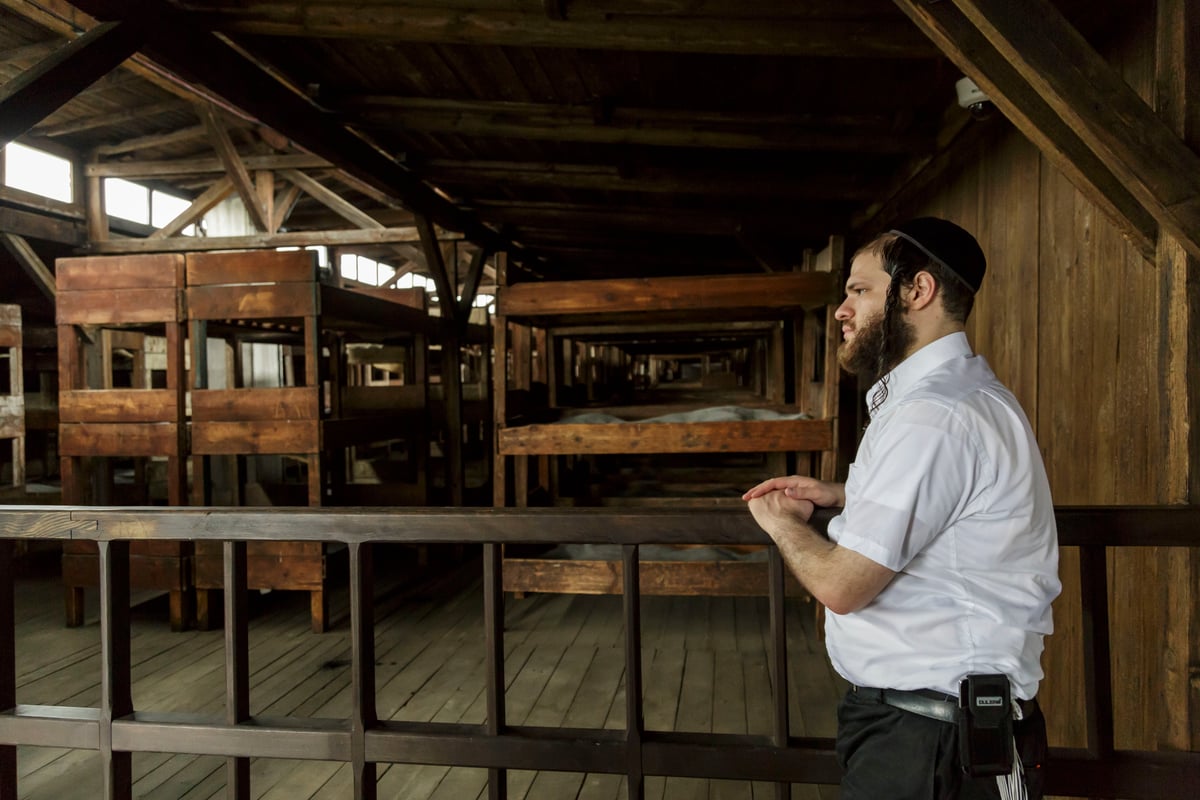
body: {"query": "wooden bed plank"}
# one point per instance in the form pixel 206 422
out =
pixel 265 266
pixel 253 405
pixel 119 307
pixel 252 301
pixel 90 273
pixel 241 438
pixel 119 439
pixel 773 292
pixel 667 437
pixel 118 405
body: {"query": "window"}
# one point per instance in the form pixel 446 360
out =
pixel 37 171
pixel 141 204
pixel 127 200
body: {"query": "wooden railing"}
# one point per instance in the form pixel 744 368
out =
pixel 117 730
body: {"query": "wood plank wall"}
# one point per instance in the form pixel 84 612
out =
pixel 1072 319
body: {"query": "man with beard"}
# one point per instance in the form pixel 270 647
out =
pixel 944 560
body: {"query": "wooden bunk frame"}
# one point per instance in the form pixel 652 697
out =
pixel 105 302
pixel 12 403
pixel 276 296
pixel 657 302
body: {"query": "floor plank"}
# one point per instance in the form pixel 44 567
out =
pixel 704 666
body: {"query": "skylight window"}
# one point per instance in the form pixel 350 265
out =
pixel 37 171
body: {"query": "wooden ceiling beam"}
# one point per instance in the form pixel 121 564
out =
pixel 33 265
pixel 207 200
pixel 106 120
pixel 151 140
pixel 38 226
pixel 1035 117
pixel 177 168
pixel 436 265
pixel 625 126
pixel 284 203
pixel 234 168
pixel 181 244
pixel 686 221
pixel 39 91
pixel 753 31
pixel 331 200
pixel 1149 159
pixel 648 180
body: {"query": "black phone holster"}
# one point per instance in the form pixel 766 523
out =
pixel 985 725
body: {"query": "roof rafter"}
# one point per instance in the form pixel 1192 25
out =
pixel 631 126
pixel 777 31
pixel 39 91
pixel 1114 122
pixel 200 57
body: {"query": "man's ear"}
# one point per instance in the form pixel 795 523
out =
pixel 922 290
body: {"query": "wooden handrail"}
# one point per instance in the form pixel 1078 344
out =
pixel 117 729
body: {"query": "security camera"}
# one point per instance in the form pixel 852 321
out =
pixel 972 98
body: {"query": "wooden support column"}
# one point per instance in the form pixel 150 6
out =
pixel 451 358
pixel 97 216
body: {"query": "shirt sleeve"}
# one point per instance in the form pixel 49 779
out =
pixel 918 477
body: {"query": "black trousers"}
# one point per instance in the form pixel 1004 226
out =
pixel 889 754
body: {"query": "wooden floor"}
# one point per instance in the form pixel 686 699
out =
pixel 705 670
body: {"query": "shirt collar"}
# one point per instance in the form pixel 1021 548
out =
pixel 906 374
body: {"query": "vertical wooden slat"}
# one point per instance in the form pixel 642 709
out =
pixel 116 699
pixel 452 397
pixel 362 648
pixel 779 696
pixel 635 722
pixel 237 663
pixel 198 341
pixel 493 621
pixel 1097 663
pixel 8 664
pixel 499 388
pixel 314 374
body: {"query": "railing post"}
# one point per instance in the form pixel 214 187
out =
pixel 1097 653
pixel 116 698
pixel 8 664
pixel 362 649
pixel 237 663
pixel 776 586
pixel 493 621
pixel 635 723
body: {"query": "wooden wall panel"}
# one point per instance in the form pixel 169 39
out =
pixel 1069 317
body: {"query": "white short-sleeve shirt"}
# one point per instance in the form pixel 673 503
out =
pixel 948 489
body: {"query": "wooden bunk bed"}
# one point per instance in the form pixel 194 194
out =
pixel 313 419
pixel 792 315
pixel 12 398
pixel 108 305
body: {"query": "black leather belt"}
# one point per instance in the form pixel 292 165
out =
pixel 926 702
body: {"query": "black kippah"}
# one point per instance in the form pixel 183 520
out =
pixel 948 245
